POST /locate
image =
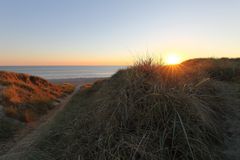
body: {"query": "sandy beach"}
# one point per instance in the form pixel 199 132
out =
pixel 75 81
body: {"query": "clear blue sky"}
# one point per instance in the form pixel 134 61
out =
pixel 80 32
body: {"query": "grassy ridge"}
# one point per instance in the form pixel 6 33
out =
pixel 224 69
pixel 147 111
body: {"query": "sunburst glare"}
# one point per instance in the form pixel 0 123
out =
pixel 173 59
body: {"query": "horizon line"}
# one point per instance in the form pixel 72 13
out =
pixel 58 65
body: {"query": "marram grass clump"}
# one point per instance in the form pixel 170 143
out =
pixel 145 112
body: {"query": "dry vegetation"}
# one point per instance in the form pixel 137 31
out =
pixel 147 111
pixel 26 98
pixel 223 69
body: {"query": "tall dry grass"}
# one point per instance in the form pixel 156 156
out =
pixel 148 111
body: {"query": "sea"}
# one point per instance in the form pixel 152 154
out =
pixel 65 72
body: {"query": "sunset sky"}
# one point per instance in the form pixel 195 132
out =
pixel 115 32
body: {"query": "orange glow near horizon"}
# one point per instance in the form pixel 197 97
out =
pixel 66 62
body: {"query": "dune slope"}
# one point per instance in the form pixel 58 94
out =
pixel 24 98
pixel 148 111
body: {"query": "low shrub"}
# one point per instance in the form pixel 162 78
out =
pixel 8 128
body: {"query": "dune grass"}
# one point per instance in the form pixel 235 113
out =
pixel 223 69
pixel 8 128
pixel 148 111
pixel 26 97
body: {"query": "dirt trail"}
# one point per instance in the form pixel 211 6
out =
pixel 230 93
pixel 26 137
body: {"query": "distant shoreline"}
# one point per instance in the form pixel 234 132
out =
pixel 75 81
pixel 69 72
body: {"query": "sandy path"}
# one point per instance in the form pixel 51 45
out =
pixel 24 140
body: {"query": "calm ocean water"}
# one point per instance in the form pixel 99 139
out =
pixel 64 72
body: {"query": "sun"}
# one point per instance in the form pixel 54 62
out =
pixel 173 59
